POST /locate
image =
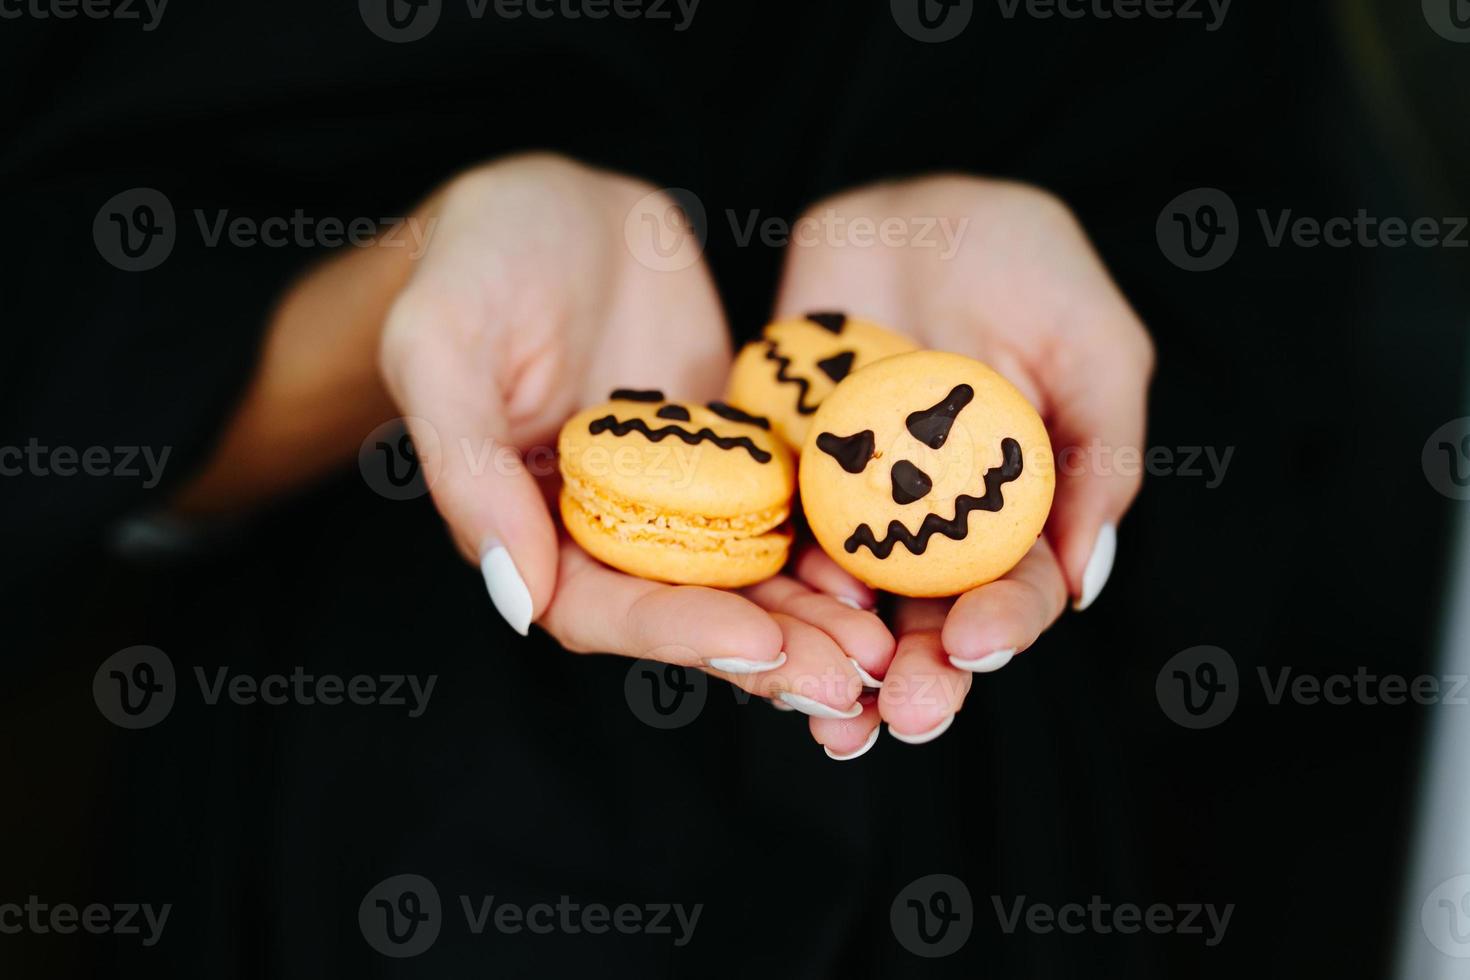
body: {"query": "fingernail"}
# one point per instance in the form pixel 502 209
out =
pixel 1099 566
pixel 781 707
pixel 923 737
pixel 868 679
pixel 817 709
pixel 736 665
pixel 507 589
pixel 985 664
pixel 848 600
pixel 860 750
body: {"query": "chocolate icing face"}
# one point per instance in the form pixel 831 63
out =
pixel 851 452
pixel 957 527
pixel 636 395
pixel 838 366
pixel 931 426
pixel 835 367
pixel 834 322
pixel 678 413
pixel 909 482
pixel 732 414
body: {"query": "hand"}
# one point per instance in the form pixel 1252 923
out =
pixel 1011 280
pixel 528 305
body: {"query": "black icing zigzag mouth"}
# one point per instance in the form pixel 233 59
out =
pixel 609 423
pixel 956 528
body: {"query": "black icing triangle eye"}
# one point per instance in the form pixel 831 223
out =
pixel 909 482
pixel 838 366
pixel 676 412
pixel 732 414
pixel 931 426
pixel 829 321
pixel 851 452
pixel 636 395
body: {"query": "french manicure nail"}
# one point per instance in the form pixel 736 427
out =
pixel 817 709
pixel 507 589
pixel 737 665
pixel 868 679
pixel 860 750
pixel 923 737
pixel 1099 566
pixel 985 664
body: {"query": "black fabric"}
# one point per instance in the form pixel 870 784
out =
pixel 528 777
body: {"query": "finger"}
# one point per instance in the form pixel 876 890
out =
pixel 861 635
pixel 1098 390
pixel 923 690
pixel 815 679
pixel 816 570
pixel 494 507
pixel 845 739
pixel 598 610
pixel 990 625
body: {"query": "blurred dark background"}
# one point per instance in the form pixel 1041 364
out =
pixel 1323 549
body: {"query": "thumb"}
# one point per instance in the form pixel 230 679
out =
pixel 484 487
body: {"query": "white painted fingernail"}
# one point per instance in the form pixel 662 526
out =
pixel 507 589
pixel 868 679
pixel 985 664
pixel 817 709
pixel 860 750
pixel 1099 566
pixel 848 600
pixel 781 707
pixel 736 665
pixel 923 737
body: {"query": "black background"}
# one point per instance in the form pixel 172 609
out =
pixel 528 778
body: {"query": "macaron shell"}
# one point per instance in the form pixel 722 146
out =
pixel 726 564
pixel 880 399
pixel 791 366
pixel 733 471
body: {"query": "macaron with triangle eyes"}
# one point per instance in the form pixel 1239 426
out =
pixel 798 361
pixel 677 491
pixel 927 474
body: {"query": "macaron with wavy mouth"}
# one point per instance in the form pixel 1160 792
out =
pixel 677 491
